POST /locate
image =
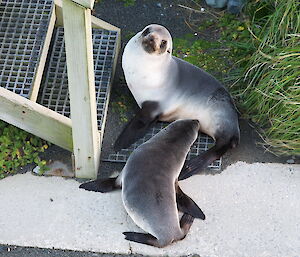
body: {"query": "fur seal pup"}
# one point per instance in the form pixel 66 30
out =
pixel 150 191
pixel 167 88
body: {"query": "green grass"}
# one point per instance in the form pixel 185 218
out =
pixel 204 54
pixel 128 2
pixel 18 148
pixel 125 2
pixel 270 92
pixel 226 54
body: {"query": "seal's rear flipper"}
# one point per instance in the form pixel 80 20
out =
pixel 200 162
pixel 101 185
pixel 142 238
pixel 197 164
pixel 186 205
pixel 138 126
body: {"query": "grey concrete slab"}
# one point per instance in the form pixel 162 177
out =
pixel 251 210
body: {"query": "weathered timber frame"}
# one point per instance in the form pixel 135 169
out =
pixel 81 135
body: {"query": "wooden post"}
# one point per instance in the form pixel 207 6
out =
pixel 79 53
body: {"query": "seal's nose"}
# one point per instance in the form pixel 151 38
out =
pixel 196 124
pixel 146 32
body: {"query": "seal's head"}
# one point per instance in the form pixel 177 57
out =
pixel 184 132
pixel 188 129
pixel 156 40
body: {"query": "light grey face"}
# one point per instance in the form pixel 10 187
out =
pixel 157 40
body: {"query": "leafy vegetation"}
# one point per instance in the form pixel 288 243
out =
pixel 221 55
pixel 204 54
pixel 122 104
pixel 125 2
pixel 128 2
pixel 119 106
pixel 18 148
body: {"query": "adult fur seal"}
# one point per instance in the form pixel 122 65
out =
pixel 167 88
pixel 150 191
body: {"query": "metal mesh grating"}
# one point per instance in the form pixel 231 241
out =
pixel 23 28
pixel 55 94
pixel 202 143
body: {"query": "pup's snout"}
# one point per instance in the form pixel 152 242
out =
pixel 149 43
pixel 196 123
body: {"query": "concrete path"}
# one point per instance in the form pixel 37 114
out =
pixel 251 210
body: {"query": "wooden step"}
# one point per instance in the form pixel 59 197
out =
pixel 25 31
pixel 54 90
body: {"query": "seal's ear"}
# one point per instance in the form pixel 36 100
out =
pixel 101 185
pixel 186 205
pixel 138 126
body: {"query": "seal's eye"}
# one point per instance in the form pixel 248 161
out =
pixel 163 44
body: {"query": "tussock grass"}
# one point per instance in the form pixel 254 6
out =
pixel 270 92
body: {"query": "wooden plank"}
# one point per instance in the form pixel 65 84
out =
pixel 79 53
pixel 118 46
pixel 96 22
pixel 39 73
pixel 35 119
pixel 85 3
pixel 59 13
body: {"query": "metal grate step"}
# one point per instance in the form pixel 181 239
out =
pixel 202 143
pixel 55 93
pixel 23 29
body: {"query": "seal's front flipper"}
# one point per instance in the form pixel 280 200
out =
pixel 101 185
pixel 142 238
pixel 138 126
pixel 186 205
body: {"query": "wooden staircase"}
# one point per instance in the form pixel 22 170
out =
pixel 69 108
